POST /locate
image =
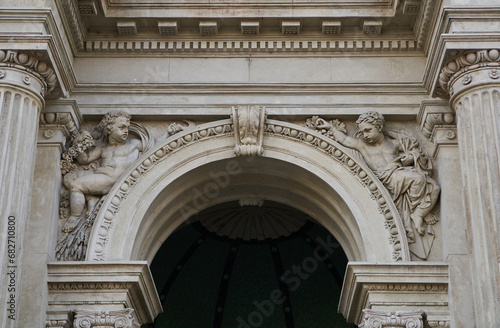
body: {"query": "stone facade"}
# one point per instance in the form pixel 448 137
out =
pixel 274 90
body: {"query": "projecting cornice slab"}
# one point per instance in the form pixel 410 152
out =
pixel 242 27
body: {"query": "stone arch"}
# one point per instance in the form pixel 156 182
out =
pixel 308 171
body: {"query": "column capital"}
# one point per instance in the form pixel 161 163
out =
pixel 118 318
pixel 392 319
pixel 464 70
pixel 29 70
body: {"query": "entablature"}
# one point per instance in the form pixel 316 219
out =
pixel 242 27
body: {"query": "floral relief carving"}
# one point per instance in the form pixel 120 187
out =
pixel 392 319
pixel 114 319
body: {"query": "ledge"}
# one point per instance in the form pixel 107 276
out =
pixel 395 287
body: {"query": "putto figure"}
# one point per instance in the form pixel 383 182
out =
pixel 116 154
pixel 401 165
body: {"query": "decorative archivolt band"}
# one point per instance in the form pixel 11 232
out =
pixel 224 128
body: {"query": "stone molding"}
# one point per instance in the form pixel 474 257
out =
pixel 470 67
pixel 57 324
pixel 117 319
pixel 237 45
pixel 421 286
pixel 379 194
pixel 392 319
pixel 438 123
pixel 55 128
pixel 102 287
pixel 32 68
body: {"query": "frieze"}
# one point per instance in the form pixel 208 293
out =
pixel 89 286
pixel 116 319
pixel 408 287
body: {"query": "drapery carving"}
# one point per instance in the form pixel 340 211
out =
pixel 401 165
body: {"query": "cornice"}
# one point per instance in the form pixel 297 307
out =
pixel 37 32
pixel 459 29
pixel 185 16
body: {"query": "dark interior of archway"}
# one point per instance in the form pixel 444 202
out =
pixel 250 266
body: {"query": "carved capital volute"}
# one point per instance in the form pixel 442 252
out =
pixel 392 319
pixel 248 124
pixel 116 319
pixel 26 71
pixel 466 70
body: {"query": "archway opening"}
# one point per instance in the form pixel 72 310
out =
pixel 250 264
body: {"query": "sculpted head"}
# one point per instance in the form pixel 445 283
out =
pixel 371 126
pixel 115 125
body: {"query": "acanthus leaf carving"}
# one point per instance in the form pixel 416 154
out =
pixel 248 124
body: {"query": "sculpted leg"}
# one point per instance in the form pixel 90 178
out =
pixel 88 185
pixel 77 204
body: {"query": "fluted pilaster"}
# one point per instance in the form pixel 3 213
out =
pixel 23 82
pixel 473 81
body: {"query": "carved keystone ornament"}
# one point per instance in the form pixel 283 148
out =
pixel 248 129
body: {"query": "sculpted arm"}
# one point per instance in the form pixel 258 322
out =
pixel 89 157
pixel 339 136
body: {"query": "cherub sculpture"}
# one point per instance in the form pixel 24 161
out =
pixel 400 164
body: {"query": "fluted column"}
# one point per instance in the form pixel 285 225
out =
pixel 473 82
pixel 23 82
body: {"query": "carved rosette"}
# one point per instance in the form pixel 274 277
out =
pixel 26 71
pixel 391 319
pixel 115 319
pixel 248 124
pixel 468 70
